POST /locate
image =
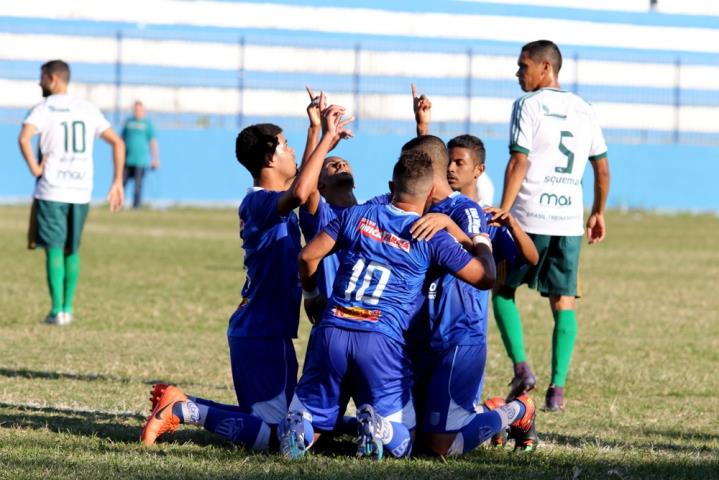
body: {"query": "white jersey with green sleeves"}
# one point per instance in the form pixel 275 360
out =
pixel 68 127
pixel 559 132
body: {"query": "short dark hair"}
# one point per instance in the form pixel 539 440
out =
pixel 412 174
pixel 471 143
pixel 57 67
pixel 541 50
pixel 254 143
pixel 432 146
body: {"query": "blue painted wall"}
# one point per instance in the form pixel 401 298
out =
pixel 198 166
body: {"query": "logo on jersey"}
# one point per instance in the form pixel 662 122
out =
pixel 555 200
pixel 368 228
pixel 356 313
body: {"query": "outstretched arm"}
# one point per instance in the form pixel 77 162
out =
pixel 116 195
pixel 25 142
pixel 422 108
pixel 596 228
pixel 314 113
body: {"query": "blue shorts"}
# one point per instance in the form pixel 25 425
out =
pixel 370 367
pixel 264 371
pixel 448 385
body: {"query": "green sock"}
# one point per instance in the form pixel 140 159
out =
pixel 510 327
pixel 563 338
pixel 55 269
pixel 72 273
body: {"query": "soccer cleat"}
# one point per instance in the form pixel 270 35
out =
pixel 523 430
pixel 162 420
pixel 554 399
pixel 157 390
pixel 369 433
pixel 522 382
pixel 60 319
pixel 500 439
pixel 292 436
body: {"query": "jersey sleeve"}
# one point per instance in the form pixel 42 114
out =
pixel 469 218
pixel 311 224
pixel 598 148
pixel 37 116
pixel 447 253
pixel 521 128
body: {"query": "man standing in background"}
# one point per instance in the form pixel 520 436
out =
pixel 141 150
pixel 67 126
pixel 552 135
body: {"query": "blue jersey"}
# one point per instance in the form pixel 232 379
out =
pixel 271 296
pixel 454 312
pixel 311 225
pixel 382 269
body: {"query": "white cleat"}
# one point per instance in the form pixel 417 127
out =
pixel 60 319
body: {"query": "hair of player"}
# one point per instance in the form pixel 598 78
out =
pixel 471 143
pixel 412 174
pixel 57 67
pixel 254 143
pixel 434 147
pixel 544 50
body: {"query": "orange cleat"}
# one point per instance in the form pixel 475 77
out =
pixel 500 439
pixel 523 430
pixel 162 420
pixel 157 390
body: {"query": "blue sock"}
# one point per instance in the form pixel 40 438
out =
pixel 484 425
pixel 399 443
pixel 239 428
pixel 210 403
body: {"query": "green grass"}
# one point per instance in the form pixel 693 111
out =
pixel 157 288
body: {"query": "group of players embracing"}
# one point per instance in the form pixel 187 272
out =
pixel 397 290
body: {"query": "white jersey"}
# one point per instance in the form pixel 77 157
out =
pixel 558 132
pixel 68 127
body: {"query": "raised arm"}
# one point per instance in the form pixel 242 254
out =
pixel 513 177
pixel 25 142
pixel 116 195
pixel 422 108
pixel 306 181
pixel 596 228
pixel 314 113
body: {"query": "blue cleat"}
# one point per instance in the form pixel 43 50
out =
pixel 369 433
pixel 292 436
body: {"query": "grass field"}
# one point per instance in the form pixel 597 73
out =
pixel 155 293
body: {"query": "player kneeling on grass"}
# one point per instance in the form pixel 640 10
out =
pixel 358 345
pixel 264 365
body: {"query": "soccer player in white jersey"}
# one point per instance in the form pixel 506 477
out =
pixel 553 133
pixel 67 126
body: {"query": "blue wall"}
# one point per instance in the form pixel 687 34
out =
pixel 198 166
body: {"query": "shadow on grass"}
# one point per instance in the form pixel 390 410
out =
pixel 667 446
pixel 91 377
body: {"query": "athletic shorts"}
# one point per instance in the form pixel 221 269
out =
pixel 368 366
pixel 264 372
pixel 448 386
pixel 59 224
pixel 556 273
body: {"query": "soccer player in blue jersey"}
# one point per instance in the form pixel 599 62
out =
pixel 448 341
pixel 260 332
pixel 359 343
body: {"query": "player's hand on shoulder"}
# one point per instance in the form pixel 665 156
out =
pixel 314 308
pixel 428 225
pixel 500 217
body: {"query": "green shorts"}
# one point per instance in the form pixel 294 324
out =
pixel 59 224
pixel 557 271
